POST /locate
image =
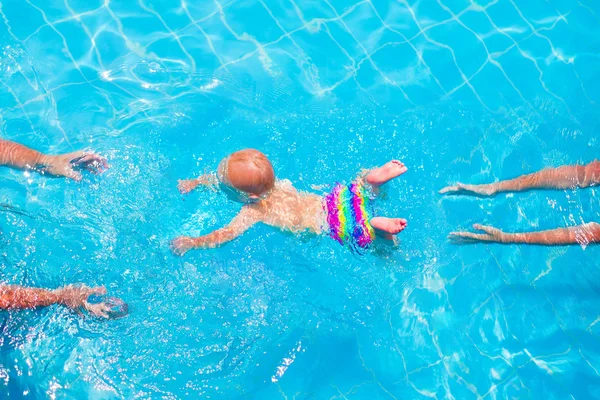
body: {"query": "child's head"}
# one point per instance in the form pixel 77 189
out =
pixel 248 171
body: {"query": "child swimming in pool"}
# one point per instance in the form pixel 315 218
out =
pixel 344 214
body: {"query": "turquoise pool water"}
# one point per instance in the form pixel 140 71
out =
pixel 459 90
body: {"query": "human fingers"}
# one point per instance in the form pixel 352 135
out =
pixel 93 163
pixel 99 309
pixel 449 189
pixel 467 237
pixel 184 187
pixel 179 246
pixel 74 157
pixel 93 157
pixel 64 170
pixel 72 174
pixel 488 229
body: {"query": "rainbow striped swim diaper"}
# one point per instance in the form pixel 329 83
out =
pixel 348 213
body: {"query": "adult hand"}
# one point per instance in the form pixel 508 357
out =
pixel 75 297
pixel 491 235
pixel 182 245
pixel 69 165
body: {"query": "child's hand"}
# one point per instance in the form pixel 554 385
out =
pixel 182 245
pixel 66 164
pixel 75 297
pixel 187 185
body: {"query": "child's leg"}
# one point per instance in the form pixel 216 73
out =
pixel 387 227
pixel 378 176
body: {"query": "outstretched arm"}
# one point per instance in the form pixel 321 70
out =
pixel 247 217
pixel 565 177
pixel 16 155
pixel 581 234
pixel 73 297
pixel 187 185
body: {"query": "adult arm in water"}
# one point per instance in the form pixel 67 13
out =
pixel 247 217
pixel 187 185
pixel 565 177
pixel 16 155
pixel 73 297
pixel 581 234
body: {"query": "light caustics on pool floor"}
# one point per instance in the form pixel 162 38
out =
pixel 474 322
pixel 134 57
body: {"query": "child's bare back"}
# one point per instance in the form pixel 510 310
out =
pixel 291 210
pixel 247 176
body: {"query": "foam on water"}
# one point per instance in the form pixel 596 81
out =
pixel 459 90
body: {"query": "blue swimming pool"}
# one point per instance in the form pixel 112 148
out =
pixel 458 90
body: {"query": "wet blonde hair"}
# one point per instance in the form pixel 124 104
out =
pixel 250 171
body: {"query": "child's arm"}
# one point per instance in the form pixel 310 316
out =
pixel 16 155
pixel 73 297
pixel 565 177
pixel 247 217
pixel 187 185
pixel 581 234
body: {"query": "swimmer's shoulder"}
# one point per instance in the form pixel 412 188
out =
pixel 284 185
pixel 287 187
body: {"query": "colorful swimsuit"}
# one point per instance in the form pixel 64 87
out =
pixel 348 210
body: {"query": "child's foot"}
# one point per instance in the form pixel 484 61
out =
pixel 389 171
pixel 388 226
